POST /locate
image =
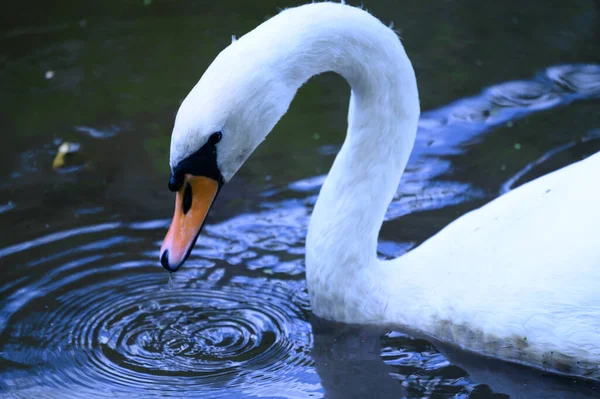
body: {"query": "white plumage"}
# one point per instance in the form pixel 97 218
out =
pixel 518 279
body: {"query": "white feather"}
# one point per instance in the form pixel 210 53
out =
pixel 518 279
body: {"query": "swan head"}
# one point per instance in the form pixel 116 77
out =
pixel 229 112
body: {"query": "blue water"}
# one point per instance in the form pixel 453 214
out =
pixel 86 311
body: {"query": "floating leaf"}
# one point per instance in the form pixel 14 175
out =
pixel 517 146
pixel 64 149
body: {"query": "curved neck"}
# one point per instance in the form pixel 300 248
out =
pixel 283 53
pixel 382 123
pixel 364 176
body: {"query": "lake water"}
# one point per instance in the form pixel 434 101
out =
pixel 510 91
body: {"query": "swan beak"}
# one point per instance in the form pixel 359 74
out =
pixel 192 204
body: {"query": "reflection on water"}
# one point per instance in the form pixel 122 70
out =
pixel 87 311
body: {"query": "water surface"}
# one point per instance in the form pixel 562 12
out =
pixel 510 92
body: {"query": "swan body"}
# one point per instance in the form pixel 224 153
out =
pixel 518 279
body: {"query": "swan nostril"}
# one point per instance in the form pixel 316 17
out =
pixel 187 199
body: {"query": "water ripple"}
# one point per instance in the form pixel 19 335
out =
pixel 583 79
pixel 110 323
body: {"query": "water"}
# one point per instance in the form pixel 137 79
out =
pixel 87 311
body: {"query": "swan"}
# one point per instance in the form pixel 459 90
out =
pixel 517 279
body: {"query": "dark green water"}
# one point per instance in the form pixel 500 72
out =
pixel 510 90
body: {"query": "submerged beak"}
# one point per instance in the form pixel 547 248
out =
pixel 192 204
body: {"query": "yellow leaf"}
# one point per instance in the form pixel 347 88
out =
pixel 64 149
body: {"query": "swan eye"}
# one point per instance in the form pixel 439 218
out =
pixel 187 199
pixel 215 137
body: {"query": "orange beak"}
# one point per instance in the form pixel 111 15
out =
pixel 192 204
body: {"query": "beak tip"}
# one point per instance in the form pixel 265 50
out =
pixel 164 261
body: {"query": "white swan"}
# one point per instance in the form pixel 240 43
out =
pixel 518 279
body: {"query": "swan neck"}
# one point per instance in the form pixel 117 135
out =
pixel 382 123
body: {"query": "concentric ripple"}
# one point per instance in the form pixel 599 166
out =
pixel 100 326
